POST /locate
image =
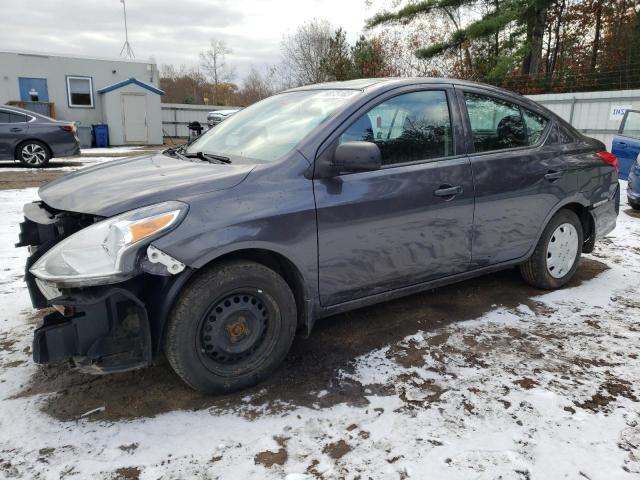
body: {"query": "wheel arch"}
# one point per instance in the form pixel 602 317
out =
pixel 581 208
pixel 270 259
pixel 588 224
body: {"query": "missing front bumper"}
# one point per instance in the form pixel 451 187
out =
pixel 108 331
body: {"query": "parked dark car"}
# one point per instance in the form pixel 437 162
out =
pixel 633 184
pixel 33 139
pixel 216 116
pixel 626 144
pixel 314 201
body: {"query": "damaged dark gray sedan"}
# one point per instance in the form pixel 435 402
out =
pixel 315 201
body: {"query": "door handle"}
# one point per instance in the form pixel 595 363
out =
pixel 16 129
pixel 448 191
pixel 553 175
pixel 621 144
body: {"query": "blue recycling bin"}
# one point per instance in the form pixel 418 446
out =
pixel 101 135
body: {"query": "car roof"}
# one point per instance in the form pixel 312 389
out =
pixel 368 83
pixel 382 84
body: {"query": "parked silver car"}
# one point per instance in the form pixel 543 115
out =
pixel 216 116
pixel 33 139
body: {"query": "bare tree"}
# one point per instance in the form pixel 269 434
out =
pixel 213 61
pixel 304 50
pixel 182 84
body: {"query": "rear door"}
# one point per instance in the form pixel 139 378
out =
pixel 518 178
pixel 408 222
pixel 13 129
pixel 626 145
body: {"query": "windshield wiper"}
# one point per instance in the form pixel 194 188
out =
pixel 209 157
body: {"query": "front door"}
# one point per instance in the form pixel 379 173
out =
pixel 518 178
pixel 33 89
pixel 134 117
pixel 406 223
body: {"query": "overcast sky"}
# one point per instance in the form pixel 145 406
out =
pixel 171 31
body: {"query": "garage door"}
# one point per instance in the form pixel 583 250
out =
pixel 134 113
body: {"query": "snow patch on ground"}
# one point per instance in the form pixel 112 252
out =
pixel 543 390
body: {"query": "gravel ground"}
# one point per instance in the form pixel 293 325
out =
pixel 485 379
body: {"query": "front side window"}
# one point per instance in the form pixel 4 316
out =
pixel 410 127
pixel 497 124
pixel 631 126
pixel 268 130
pixel 5 117
pixel 80 92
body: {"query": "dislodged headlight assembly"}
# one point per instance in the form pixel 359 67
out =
pixel 106 252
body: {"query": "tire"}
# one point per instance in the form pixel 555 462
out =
pixel 231 327
pixel 632 204
pixel 550 267
pixel 33 154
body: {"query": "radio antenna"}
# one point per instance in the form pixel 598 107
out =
pixel 126 51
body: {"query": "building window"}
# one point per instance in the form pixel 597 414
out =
pixel 80 92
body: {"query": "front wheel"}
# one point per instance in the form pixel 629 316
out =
pixel 557 254
pixel 231 327
pixel 633 204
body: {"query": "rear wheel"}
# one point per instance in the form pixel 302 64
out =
pixel 33 153
pixel 231 327
pixel 634 205
pixel 556 257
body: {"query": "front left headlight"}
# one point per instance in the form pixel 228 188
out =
pixel 106 251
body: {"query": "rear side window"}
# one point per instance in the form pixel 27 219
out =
pixel 410 127
pixel 631 127
pixel 497 124
pixel 12 117
pixel 17 118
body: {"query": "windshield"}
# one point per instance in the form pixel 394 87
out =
pixel 268 130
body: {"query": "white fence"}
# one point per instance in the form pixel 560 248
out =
pixel 596 114
pixel 176 117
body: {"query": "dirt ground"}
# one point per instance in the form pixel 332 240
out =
pixel 13 177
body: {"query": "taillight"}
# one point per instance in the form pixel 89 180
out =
pixel 69 128
pixel 609 158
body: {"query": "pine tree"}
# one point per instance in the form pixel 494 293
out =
pixel 510 31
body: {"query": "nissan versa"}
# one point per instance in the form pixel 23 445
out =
pixel 314 201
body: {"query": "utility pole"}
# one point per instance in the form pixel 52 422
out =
pixel 126 51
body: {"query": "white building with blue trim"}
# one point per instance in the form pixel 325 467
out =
pixel 122 94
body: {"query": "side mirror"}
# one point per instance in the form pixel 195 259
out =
pixel 351 157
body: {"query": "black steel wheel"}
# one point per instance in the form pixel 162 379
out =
pixel 234 328
pixel 231 327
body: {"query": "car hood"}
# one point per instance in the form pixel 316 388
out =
pixel 120 185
